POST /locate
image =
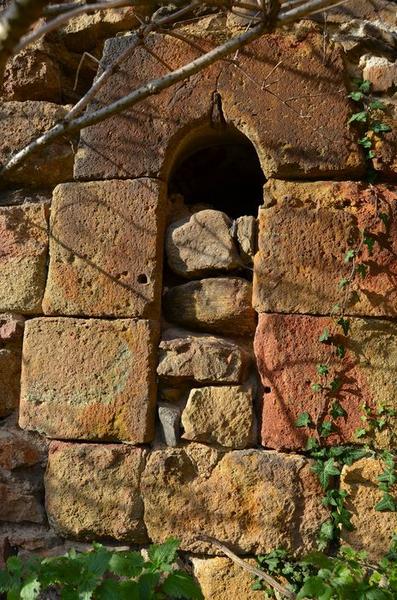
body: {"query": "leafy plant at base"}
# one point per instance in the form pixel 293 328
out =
pixel 101 575
pixel 346 576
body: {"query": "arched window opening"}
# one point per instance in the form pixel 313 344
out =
pixel 219 168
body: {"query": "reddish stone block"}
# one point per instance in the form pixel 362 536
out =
pixel 106 242
pixel 287 349
pixel 11 333
pixel 89 379
pixel 305 230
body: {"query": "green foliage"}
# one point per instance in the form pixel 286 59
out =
pixel 304 420
pixel 101 575
pixel 346 576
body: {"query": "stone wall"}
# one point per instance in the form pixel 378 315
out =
pixel 156 350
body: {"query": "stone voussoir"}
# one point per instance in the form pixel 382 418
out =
pixel 252 500
pixel 287 146
pixel 201 359
pixel 106 242
pixel 288 350
pixel 23 255
pixel 92 491
pixel 305 230
pixel 89 379
pixel 219 305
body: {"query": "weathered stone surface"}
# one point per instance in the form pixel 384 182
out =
pixel 21 122
pixel 385 145
pixel 219 305
pixel 373 530
pixel 23 254
pixel 83 32
pixel 92 491
pixel 24 196
pixel 201 244
pixel 25 540
pixel 202 359
pixel 20 501
pixel 221 579
pixel 170 419
pixel 19 449
pixel 11 333
pixel 89 379
pixel 251 499
pixel 32 74
pixel 106 242
pixel 221 415
pixel 378 11
pixel 246 233
pixel 320 145
pixel 288 349
pixel 305 231
pixel 381 72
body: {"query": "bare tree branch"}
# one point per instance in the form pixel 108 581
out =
pixel 137 39
pixel 65 17
pixel 148 89
pixel 247 567
pixel 16 21
pixel 310 7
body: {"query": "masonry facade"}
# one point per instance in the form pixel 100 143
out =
pixel 164 287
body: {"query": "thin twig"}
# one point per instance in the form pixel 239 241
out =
pixel 65 17
pixel 82 59
pixel 247 567
pixel 310 7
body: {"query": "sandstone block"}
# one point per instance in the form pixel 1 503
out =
pixel 11 332
pixel 288 350
pixel 320 145
pixel 305 230
pixel 221 415
pixel 380 72
pixel 203 359
pixel 33 74
pixel 19 449
pixel 221 579
pixel 373 530
pixel 201 244
pixel 92 491
pixel 106 249
pixel 246 234
pixel 251 499
pixel 220 305
pixel 91 379
pixel 21 122
pixel 23 254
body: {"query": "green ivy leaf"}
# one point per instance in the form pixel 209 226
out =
pixel 316 387
pixel 387 504
pixel 31 589
pixel 344 324
pixel 384 217
pixel 365 142
pixel 362 269
pixel 380 128
pixel 181 585
pixel 344 282
pixel 337 410
pixel 365 86
pixel 304 420
pixel 335 384
pixel 359 117
pixel 340 351
pixel 325 470
pixel 312 444
pixel 315 587
pixel 325 336
pixel 360 432
pixel 356 96
pixel 377 105
pixel 350 254
pixel 369 242
pixel 326 428
pixel 322 369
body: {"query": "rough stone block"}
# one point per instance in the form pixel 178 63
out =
pixel 246 234
pixel 373 530
pixel 23 255
pixel 21 122
pixel 20 502
pixel 221 579
pixel 305 231
pixel 220 305
pixel 251 499
pixel 380 72
pixel 170 420
pixel 199 245
pixel 320 145
pixel 288 349
pixel 222 415
pixel 89 379
pixel 201 359
pixel 92 491
pixel 106 241
pixel 11 333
